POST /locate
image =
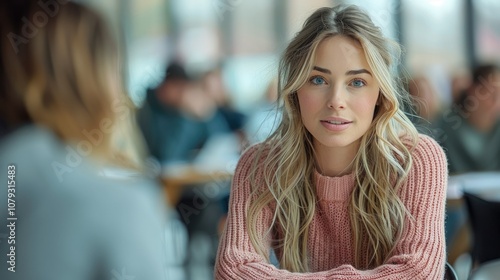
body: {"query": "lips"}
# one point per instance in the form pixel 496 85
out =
pixel 336 124
pixel 336 121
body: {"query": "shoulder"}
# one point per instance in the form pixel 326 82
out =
pixel 429 163
pixel 423 147
pixel 256 153
pixel 20 142
pixel 62 174
pixel 253 155
pixel 252 163
pixel 427 149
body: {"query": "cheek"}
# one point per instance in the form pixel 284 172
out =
pixel 366 108
pixel 308 103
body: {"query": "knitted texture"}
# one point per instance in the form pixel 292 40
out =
pixel 420 253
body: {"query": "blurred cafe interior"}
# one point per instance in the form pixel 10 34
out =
pixel 216 62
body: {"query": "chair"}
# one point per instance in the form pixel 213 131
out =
pixel 487 271
pixel 484 217
pixel 449 272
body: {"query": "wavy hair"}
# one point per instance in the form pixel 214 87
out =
pixel 381 165
pixel 65 76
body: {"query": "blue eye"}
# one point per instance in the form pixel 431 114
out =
pixel 317 80
pixel 358 83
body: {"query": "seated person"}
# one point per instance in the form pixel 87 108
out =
pixel 213 85
pixel 178 118
pixel 470 131
pixel 346 188
pixel 83 210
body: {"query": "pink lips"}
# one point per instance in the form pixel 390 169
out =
pixel 336 124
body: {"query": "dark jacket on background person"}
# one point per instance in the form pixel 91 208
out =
pixel 170 134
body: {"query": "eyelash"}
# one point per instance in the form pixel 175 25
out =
pixel 350 83
pixel 316 77
pixel 357 80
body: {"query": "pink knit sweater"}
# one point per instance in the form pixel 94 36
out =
pixel 420 254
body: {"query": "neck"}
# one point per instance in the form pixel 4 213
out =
pixel 335 162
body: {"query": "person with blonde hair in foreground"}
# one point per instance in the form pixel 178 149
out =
pixel 79 206
pixel 345 188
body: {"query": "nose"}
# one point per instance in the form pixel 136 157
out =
pixel 336 98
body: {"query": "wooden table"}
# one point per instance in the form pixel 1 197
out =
pixel 174 181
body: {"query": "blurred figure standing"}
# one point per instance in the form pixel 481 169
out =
pixel 470 131
pixel 83 209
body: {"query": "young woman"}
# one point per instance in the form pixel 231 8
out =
pixel 63 108
pixel 345 188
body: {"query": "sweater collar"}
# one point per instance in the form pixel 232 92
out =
pixel 334 188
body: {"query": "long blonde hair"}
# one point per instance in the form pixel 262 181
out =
pixel 286 159
pixel 66 76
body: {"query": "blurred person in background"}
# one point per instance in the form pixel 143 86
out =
pixel 470 131
pixel 460 82
pixel 345 188
pixel 85 208
pixel 184 127
pixel 178 117
pixel 213 85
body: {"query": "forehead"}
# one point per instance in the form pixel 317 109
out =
pixel 340 51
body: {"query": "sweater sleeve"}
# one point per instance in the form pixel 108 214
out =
pixel 420 253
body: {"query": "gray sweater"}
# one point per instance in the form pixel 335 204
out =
pixel 467 149
pixel 74 223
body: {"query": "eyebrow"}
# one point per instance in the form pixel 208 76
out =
pixel 350 72
pixel 360 71
pixel 324 70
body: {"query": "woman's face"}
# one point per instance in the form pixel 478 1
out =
pixel 338 100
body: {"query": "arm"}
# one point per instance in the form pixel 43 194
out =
pixel 420 254
pixel 236 257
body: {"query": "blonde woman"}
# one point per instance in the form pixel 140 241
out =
pixel 65 121
pixel 345 188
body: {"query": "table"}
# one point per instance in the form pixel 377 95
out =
pixel 174 179
pixel 482 184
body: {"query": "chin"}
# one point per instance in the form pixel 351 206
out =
pixel 337 143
